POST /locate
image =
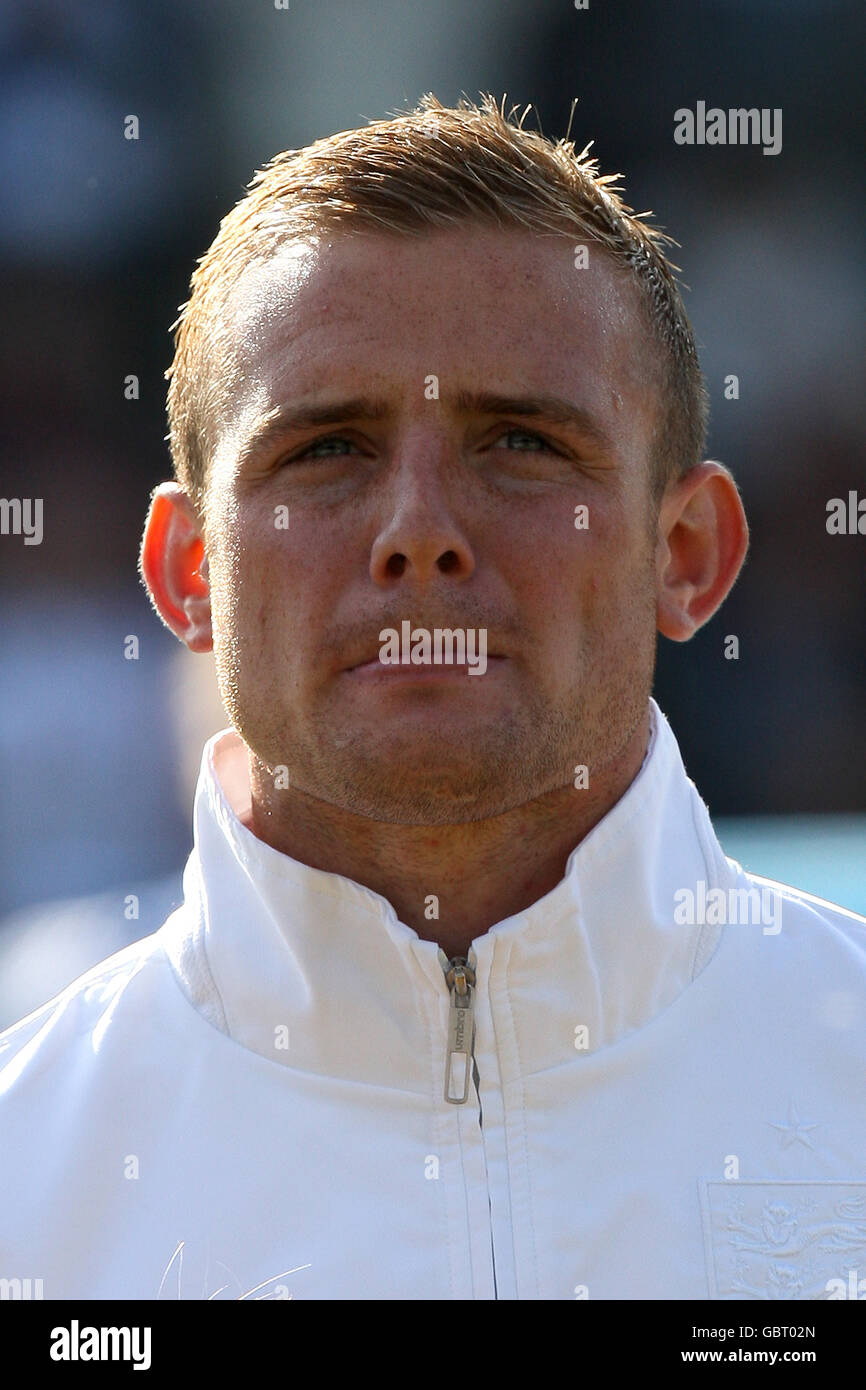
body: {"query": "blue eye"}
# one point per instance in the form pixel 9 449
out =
pixel 528 434
pixel 328 443
pixel 327 439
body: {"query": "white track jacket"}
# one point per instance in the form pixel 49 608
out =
pixel 657 1078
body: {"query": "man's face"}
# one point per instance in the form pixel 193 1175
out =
pixel 449 513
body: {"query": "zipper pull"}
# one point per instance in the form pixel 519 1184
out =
pixel 460 978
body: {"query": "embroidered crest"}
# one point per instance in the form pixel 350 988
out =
pixel 783 1239
pixel 172 1282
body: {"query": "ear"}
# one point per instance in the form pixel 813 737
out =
pixel 703 537
pixel 174 567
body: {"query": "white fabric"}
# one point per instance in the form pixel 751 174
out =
pixel 258 1086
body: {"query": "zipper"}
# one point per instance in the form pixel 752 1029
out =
pixel 460 1054
pixel 461 1066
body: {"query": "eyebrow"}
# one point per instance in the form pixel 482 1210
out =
pixel 283 421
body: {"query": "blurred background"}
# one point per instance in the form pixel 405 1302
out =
pixel 98 237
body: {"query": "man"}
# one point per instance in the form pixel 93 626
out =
pixel 464 999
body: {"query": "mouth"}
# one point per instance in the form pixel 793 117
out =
pixel 400 671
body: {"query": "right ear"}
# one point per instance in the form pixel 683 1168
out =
pixel 174 566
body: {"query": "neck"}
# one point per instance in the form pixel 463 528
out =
pixel 450 883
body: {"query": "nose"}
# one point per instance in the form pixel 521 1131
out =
pixel 421 538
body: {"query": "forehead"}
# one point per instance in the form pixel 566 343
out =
pixel 501 310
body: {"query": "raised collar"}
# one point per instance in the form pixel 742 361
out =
pixel 315 971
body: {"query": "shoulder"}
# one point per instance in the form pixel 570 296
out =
pixel 810 905
pixel 792 912
pixel 58 1029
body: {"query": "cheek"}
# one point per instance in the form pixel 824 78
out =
pixel 244 559
pixel 599 582
pixel 285 575
pixel 588 564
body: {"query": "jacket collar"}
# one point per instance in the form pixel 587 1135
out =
pixel 314 971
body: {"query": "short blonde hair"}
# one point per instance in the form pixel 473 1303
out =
pixel 434 167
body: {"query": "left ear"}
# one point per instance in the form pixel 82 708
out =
pixel 703 537
pixel 174 566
